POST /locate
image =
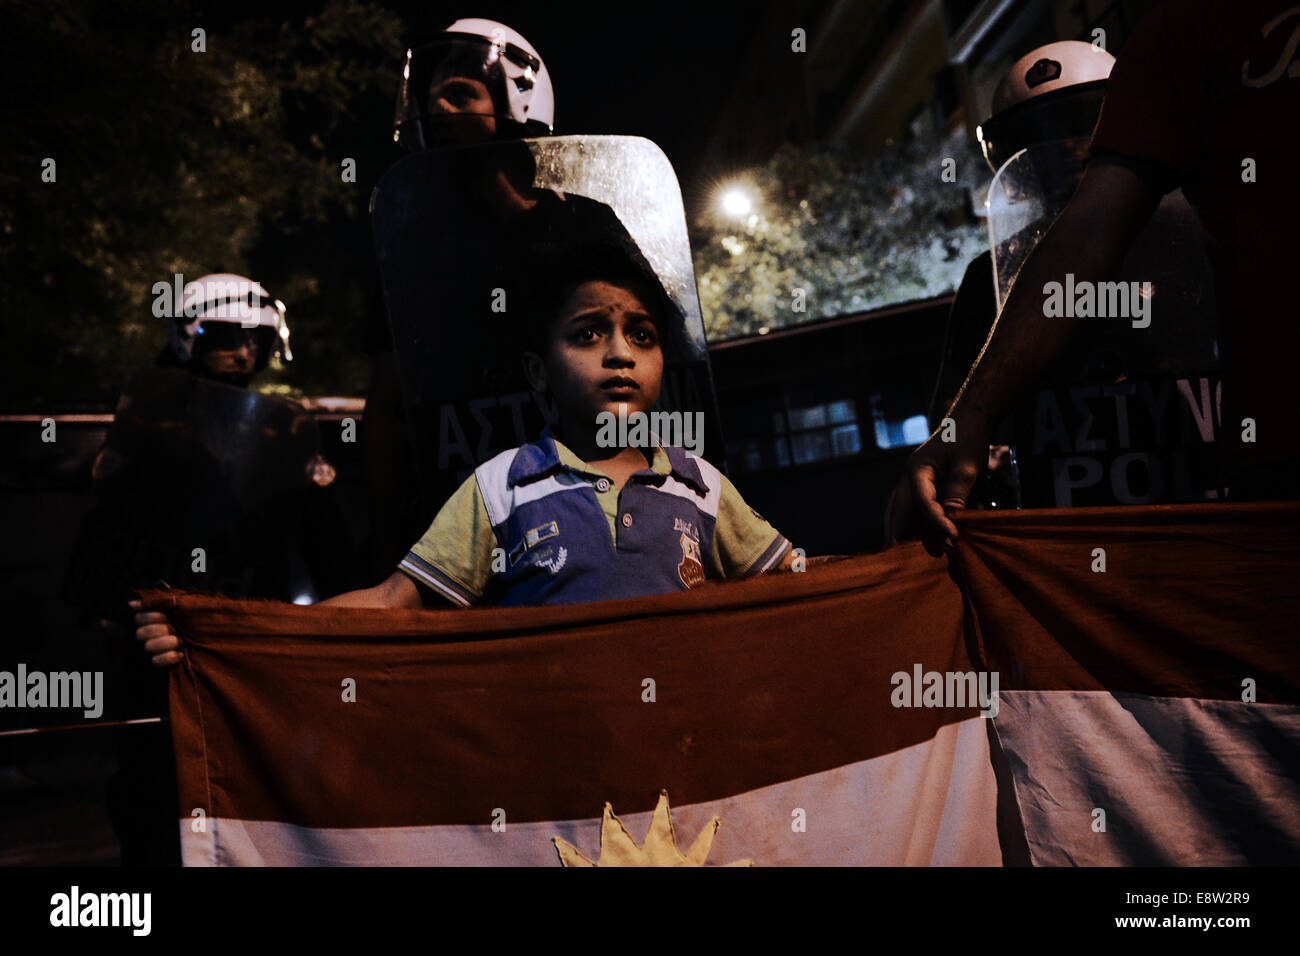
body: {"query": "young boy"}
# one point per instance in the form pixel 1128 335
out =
pixel 565 520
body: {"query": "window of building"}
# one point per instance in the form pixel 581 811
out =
pixel 799 426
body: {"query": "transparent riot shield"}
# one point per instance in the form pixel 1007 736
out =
pixel 1027 195
pixel 470 239
pixel 1130 415
pixel 198 484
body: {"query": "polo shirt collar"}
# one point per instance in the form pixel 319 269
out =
pixel 546 456
pixel 683 467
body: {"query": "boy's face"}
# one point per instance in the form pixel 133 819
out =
pixel 603 352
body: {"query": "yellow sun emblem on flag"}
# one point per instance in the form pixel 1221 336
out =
pixel 617 848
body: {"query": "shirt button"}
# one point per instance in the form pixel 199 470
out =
pixel 602 484
pixel 627 520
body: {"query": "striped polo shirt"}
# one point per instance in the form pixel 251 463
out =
pixel 537 525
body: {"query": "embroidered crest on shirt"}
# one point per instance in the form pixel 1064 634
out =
pixel 531 539
pixel 687 527
pixel 691 570
pixel 555 562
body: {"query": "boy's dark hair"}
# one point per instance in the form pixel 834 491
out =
pixel 558 271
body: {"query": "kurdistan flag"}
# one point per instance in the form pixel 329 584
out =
pixel 1012 705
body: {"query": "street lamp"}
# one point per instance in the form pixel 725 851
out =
pixel 735 199
pixel 735 203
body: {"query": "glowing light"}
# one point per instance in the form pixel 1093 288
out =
pixel 733 245
pixel 735 203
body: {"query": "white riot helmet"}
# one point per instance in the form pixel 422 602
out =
pixel 225 311
pixel 475 68
pixel 1051 93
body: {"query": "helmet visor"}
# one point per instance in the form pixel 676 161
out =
pixel 454 91
pixel 518 63
pixel 1066 113
pixel 231 337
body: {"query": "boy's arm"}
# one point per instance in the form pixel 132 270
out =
pixel 397 591
pixel 452 562
pixel 786 563
pixel 744 543
pixel 448 567
pixel 161 643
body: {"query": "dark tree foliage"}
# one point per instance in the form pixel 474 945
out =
pixel 168 160
pixel 833 233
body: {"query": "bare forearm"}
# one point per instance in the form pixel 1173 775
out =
pixel 1023 343
pixel 397 591
pixel 1089 241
